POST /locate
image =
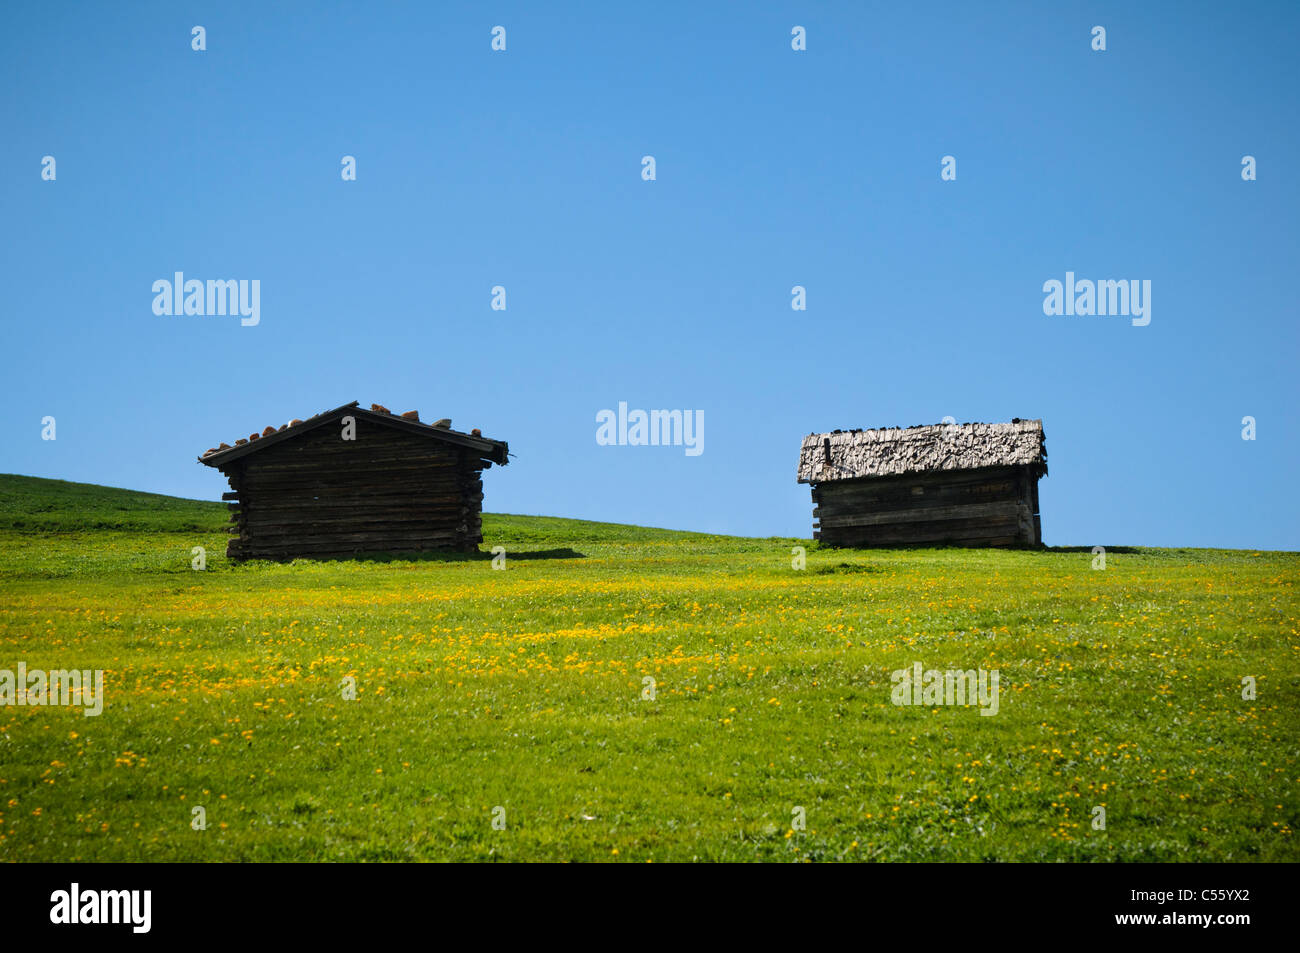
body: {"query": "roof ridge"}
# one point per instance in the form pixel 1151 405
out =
pixel 408 421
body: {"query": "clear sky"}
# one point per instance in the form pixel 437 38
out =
pixel 774 168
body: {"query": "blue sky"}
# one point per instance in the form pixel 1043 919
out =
pixel 774 168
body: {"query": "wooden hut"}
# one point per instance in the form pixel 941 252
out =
pixel 959 484
pixel 351 481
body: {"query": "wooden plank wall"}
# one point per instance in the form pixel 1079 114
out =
pixel 996 506
pixel 387 491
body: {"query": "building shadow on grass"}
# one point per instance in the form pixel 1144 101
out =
pixel 938 547
pixel 1088 549
pixel 847 568
pixel 479 556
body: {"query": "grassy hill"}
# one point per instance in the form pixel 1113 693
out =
pixel 58 528
pixel 521 696
pixel 33 504
pixel 36 505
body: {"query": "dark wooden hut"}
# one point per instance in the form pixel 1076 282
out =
pixel 351 481
pixel 960 484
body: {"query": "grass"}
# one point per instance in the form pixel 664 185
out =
pixel 521 689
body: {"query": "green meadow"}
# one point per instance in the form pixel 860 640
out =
pixel 618 693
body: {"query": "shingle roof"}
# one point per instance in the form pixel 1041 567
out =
pixel 495 450
pixel 855 454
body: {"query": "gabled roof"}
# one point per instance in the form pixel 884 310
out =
pixel 854 454
pixel 493 450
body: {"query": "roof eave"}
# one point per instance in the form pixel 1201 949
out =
pixel 496 451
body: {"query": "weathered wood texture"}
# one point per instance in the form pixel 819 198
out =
pixel 388 490
pixel 992 506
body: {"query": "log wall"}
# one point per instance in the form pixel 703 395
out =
pixel 996 506
pixel 387 491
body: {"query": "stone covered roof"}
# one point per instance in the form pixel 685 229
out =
pixel 855 454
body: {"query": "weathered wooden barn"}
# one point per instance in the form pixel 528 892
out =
pixel 959 484
pixel 351 481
